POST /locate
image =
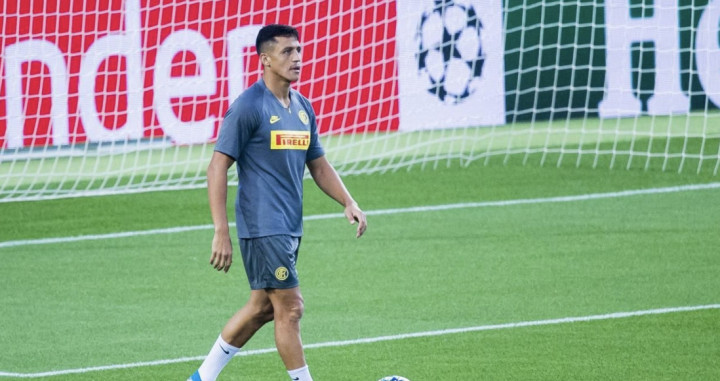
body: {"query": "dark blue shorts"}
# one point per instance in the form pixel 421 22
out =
pixel 270 261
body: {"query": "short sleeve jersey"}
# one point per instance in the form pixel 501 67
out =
pixel 270 144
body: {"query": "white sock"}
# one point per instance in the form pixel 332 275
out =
pixel 301 374
pixel 220 354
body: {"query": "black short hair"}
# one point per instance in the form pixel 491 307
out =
pixel 269 32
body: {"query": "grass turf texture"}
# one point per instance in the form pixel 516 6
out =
pixel 124 300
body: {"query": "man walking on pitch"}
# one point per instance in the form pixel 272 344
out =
pixel 270 131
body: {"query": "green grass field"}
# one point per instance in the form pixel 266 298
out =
pixel 71 306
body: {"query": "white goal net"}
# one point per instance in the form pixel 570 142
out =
pixel 128 95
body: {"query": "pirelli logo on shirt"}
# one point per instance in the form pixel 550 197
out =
pixel 290 140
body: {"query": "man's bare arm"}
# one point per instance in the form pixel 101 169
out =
pixel 329 181
pixel 221 257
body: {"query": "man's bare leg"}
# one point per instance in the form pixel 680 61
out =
pixel 288 307
pixel 238 330
pixel 249 319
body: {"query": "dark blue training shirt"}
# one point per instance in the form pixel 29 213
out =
pixel 270 144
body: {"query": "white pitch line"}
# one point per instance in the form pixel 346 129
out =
pixel 344 343
pixel 181 229
pixel 93 237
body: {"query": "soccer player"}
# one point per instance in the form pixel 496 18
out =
pixel 270 131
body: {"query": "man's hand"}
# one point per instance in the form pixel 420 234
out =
pixel 221 258
pixel 354 214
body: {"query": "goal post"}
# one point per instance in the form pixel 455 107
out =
pixel 128 95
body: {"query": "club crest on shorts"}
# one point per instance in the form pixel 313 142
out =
pixel 281 273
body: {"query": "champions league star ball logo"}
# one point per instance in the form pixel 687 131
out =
pixel 450 54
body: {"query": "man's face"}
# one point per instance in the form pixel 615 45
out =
pixel 283 58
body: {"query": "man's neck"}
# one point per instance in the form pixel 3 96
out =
pixel 278 86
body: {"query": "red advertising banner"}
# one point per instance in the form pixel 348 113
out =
pixel 77 71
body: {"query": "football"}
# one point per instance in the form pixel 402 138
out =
pixel 450 54
pixel 393 378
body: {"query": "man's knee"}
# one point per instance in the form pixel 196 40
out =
pixel 265 313
pixel 261 311
pixel 290 309
pixel 296 310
